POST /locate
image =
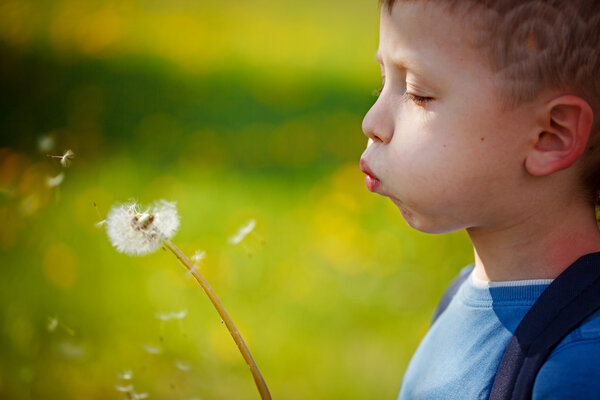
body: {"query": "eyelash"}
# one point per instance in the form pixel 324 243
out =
pixel 420 101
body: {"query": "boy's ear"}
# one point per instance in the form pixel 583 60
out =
pixel 567 121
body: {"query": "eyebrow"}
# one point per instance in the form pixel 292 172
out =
pixel 415 67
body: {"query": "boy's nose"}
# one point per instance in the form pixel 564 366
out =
pixel 378 124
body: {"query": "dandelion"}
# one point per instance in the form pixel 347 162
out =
pixel 65 159
pixel 137 232
pixel 54 181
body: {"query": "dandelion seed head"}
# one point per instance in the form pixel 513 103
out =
pixel 243 232
pixel 135 232
pixel 53 181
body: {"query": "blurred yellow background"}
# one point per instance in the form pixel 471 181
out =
pixel 235 110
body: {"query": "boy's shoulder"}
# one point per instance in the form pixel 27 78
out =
pixel 571 370
pixel 588 330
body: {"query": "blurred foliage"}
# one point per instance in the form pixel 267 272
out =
pixel 235 110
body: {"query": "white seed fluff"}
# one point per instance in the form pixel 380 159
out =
pixel 65 160
pixel 243 232
pixel 137 232
pixel 53 181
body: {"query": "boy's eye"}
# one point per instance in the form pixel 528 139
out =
pixel 420 101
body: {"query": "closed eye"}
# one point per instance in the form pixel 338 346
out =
pixel 420 101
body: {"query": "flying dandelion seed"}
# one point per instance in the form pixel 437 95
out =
pixel 54 181
pixel 65 159
pixel 52 324
pixel 172 315
pixel 139 396
pixel 179 315
pixel 99 223
pixel 136 232
pixel 124 389
pixel 125 375
pixel 182 366
pixel 243 232
pixel 192 271
pixel 198 256
pixel 163 317
pixel 152 349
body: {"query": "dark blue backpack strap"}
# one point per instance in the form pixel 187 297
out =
pixel 451 291
pixel 571 298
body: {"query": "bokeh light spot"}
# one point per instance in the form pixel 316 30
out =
pixel 223 344
pixel 61 265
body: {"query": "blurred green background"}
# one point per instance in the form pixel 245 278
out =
pixel 236 110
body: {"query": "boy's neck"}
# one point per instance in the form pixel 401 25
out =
pixel 540 247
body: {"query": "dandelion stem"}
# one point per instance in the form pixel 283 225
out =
pixel 258 379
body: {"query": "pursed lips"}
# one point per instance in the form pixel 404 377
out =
pixel 364 167
pixel 371 179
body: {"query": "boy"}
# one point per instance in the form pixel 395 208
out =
pixel 485 122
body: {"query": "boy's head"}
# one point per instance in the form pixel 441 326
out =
pixel 487 105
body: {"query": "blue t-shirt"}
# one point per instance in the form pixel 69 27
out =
pixel 460 354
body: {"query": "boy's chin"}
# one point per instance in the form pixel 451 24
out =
pixel 424 223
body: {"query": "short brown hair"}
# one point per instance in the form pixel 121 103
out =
pixel 538 45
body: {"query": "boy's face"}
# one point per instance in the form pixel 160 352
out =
pixel 443 149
